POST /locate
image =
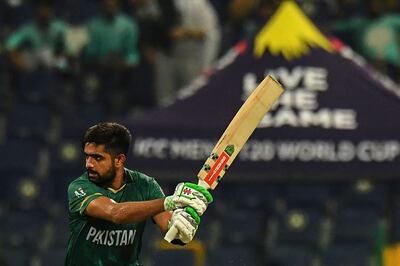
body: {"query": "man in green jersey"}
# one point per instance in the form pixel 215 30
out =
pixel 109 204
pixel 39 42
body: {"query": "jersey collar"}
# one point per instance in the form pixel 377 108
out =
pixel 116 190
pixel 127 178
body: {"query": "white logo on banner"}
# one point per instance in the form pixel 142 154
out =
pixel 299 105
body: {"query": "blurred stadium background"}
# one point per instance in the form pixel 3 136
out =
pixel 45 108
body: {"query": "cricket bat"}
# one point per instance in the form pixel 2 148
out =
pixel 236 135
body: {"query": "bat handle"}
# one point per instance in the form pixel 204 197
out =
pixel 203 184
pixel 171 234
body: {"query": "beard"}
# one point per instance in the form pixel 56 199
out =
pixel 103 179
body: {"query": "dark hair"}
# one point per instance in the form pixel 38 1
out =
pixel 114 136
pixel 47 3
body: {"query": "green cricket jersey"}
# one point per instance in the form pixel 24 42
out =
pixel 96 242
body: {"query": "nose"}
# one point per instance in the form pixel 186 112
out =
pixel 89 163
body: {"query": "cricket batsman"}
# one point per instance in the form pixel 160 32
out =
pixel 109 204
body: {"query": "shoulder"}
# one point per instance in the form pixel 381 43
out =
pixel 95 21
pixel 142 180
pixel 391 17
pixel 145 183
pixel 82 187
pixel 58 24
pixel 126 21
pixel 26 28
pixel 138 177
pixel 125 18
pixel 81 181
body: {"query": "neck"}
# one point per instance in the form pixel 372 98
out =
pixel 119 179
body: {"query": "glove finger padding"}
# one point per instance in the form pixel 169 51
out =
pixel 189 194
pixel 200 192
pixel 198 205
pixel 185 224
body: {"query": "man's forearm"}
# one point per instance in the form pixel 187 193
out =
pixel 132 212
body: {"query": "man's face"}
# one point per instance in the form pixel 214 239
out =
pixel 100 164
pixel 44 14
pixel 110 7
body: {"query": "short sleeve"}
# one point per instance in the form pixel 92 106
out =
pixel 92 47
pixel 80 194
pixel 15 40
pixel 129 42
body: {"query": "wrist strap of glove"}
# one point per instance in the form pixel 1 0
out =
pixel 169 204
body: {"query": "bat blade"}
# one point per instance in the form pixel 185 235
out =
pixel 238 131
pixel 236 135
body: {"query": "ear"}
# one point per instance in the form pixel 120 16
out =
pixel 120 160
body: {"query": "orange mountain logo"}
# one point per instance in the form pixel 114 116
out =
pixel 291 33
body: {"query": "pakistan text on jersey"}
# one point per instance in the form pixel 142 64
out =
pixel 111 237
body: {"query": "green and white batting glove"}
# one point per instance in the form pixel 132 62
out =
pixel 188 194
pixel 186 222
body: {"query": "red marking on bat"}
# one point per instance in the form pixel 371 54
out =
pixel 217 168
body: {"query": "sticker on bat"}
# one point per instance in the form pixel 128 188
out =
pixel 206 167
pixel 219 165
pixel 230 149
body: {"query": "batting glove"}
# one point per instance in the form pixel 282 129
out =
pixel 189 194
pixel 186 222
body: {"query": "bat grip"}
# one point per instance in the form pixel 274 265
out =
pixel 171 234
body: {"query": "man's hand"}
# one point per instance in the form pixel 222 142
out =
pixel 186 223
pixel 188 194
